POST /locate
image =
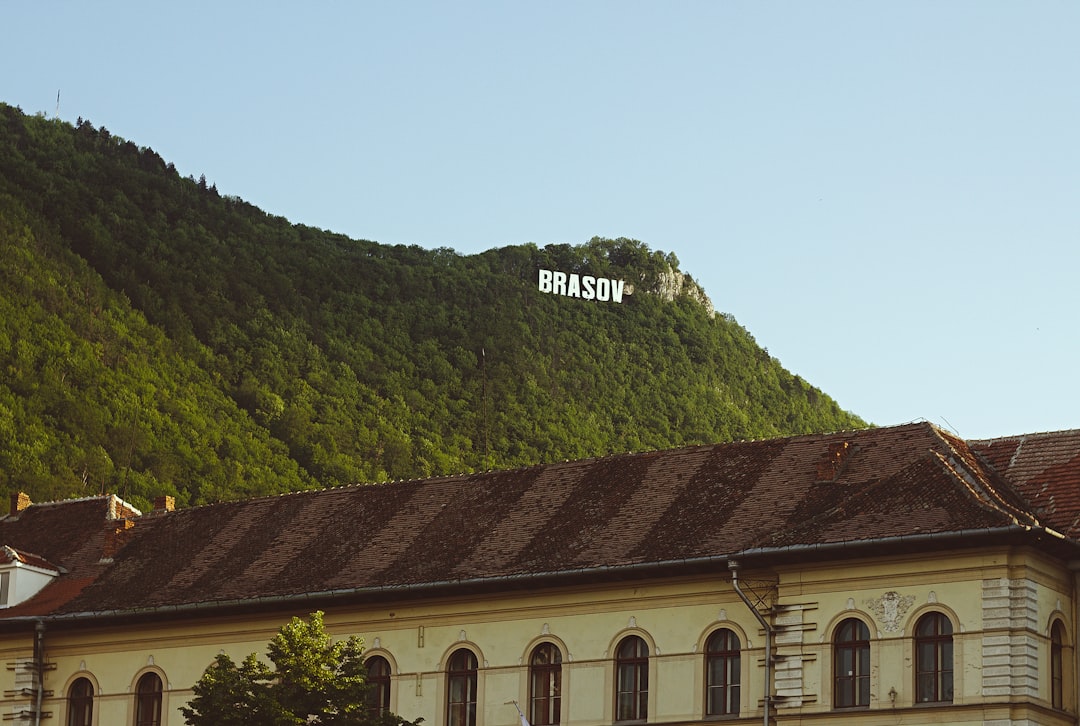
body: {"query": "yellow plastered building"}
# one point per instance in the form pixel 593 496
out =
pixel 893 575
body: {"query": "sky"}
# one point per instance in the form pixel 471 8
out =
pixel 885 194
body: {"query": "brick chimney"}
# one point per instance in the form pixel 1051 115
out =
pixel 164 504
pixel 117 533
pixel 19 502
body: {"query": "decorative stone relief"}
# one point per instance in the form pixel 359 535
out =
pixel 545 630
pixel 632 623
pixel 890 608
pixel 723 614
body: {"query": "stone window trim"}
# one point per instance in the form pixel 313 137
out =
pixel 851 663
pixel 723 672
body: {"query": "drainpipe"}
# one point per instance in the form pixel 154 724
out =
pixel 39 668
pixel 733 565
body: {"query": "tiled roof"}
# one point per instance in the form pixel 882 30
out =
pixel 1045 469
pixel 611 514
pixel 10 555
pixel 66 534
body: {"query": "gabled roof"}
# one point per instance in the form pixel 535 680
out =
pixel 67 534
pixel 617 514
pixel 12 556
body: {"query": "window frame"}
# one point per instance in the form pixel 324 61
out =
pixel 149 699
pixel 1057 665
pixel 937 647
pixel 545 685
pixel 80 706
pixel 728 655
pixel 378 695
pixel 462 673
pixel 855 646
pixel 632 669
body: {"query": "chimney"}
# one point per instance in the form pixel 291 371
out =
pixel 117 533
pixel 834 463
pixel 164 504
pixel 19 502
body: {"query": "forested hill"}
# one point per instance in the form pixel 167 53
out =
pixel 157 337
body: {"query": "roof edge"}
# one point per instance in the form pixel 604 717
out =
pixel 751 556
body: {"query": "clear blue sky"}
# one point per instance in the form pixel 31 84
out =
pixel 887 195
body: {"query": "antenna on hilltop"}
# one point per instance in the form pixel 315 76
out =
pixel 57 103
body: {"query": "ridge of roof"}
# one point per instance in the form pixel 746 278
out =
pixel 978 479
pixel 585 461
pixel 9 554
pixel 1030 435
pixel 109 499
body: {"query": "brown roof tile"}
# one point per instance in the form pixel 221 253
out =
pixel 631 510
pixel 1045 469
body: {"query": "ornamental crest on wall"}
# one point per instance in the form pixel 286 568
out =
pixel 889 608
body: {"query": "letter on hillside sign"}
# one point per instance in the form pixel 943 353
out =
pixel 585 287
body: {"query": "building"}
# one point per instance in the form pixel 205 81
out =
pixel 892 575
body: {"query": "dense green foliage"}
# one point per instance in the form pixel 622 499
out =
pixel 315 680
pixel 159 338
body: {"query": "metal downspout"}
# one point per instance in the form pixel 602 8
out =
pixel 39 668
pixel 733 566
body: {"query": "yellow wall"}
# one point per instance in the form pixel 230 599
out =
pixel 674 618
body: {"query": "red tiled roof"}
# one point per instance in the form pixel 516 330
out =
pixel 10 555
pixel 1045 469
pixel 628 511
pixel 68 537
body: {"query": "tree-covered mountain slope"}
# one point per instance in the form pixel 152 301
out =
pixel 159 338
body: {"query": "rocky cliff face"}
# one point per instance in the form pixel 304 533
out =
pixel 671 284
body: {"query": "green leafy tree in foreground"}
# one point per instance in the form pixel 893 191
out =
pixel 315 680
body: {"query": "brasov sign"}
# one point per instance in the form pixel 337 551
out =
pixel 585 287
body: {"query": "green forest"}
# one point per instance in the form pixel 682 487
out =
pixel 157 337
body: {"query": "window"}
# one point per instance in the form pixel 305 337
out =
pixel 933 659
pixel 851 664
pixel 461 689
pixel 1057 665
pixel 545 685
pixel 632 680
pixel 148 700
pixel 722 662
pixel 378 678
pixel 81 703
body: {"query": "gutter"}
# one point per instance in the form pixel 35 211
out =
pixel 706 563
pixel 733 566
pixel 39 668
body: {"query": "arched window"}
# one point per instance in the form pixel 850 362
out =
pixel 545 685
pixel 378 678
pixel 851 664
pixel 461 689
pixel 1057 665
pixel 81 703
pixel 722 664
pixel 933 659
pixel 632 680
pixel 148 700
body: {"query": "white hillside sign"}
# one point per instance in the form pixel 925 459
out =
pixel 585 287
